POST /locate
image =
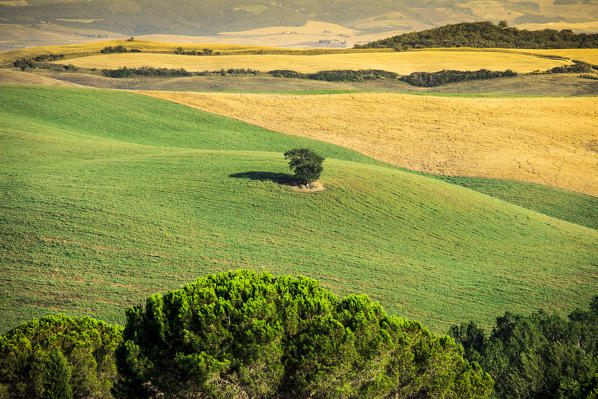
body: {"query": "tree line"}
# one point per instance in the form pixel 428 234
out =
pixel 486 35
pixel 241 334
pixel 119 49
pixel 238 335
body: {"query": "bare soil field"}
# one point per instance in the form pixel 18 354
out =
pixel 550 141
pixel 398 62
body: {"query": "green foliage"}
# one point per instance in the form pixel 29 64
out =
pixel 57 375
pixel 537 356
pixel 125 72
pixel 243 334
pixel 487 35
pixel 337 75
pixel 205 51
pixel 306 164
pixel 432 79
pixel 578 67
pixel 115 49
pixel 38 358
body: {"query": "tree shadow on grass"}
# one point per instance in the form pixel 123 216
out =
pixel 280 178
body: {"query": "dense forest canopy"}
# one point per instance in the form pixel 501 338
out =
pixel 241 334
pixel 487 35
pixel 538 356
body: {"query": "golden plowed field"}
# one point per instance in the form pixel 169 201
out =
pixel 551 141
pixel 399 62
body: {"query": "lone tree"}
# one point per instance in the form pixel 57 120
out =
pixel 306 164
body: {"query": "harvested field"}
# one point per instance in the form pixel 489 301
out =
pixel 23 78
pixel 399 62
pixel 550 141
pixel 589 55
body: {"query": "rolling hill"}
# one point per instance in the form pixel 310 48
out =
pixel 108 197
pixel 550 141
pixel 209 17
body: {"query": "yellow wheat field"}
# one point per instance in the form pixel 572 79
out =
pixel 399 62
pixel 551 141
pixel 584 54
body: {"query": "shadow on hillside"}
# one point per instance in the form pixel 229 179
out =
pixel 280 178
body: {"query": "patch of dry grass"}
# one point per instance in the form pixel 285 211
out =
pixel 23 78
pixel 551 141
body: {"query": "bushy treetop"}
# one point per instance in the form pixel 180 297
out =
pixel 242 334
pixel 306 164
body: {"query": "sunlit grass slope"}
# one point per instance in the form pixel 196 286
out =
pixel 108 197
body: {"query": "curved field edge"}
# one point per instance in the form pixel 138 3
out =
pixel 565 205
pixel 108 197
pixel 402 63
pixel 550 141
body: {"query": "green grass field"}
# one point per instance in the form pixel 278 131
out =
pixel 108 197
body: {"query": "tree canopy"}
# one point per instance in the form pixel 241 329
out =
pixel 35 356
pixel 247 335
pixel 538 356
pixel 306 164
pixel 486 35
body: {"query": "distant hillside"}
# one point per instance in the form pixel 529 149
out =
pixel 486 35
pixel 192 17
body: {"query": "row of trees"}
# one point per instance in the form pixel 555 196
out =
pixel 486 35
pixel 246 335
pixel 119 49
pixel 205 51
pixel 432 79
pixel 125 72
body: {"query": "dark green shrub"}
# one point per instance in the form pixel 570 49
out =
pixel 247 335
pixel 432 79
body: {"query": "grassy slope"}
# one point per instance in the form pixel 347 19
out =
pixel 107 197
